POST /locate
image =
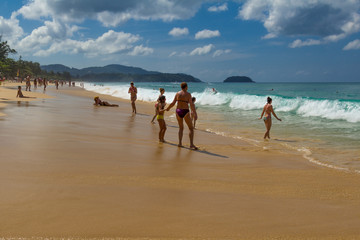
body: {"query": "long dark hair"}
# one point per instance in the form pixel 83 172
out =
pixel 162 99
pixel 269 100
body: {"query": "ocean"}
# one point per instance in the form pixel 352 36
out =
pixel 320 121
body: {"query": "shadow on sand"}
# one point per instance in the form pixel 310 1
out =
pixel 199 150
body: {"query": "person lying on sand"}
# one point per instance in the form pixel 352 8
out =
pixel 98 102
pixel 20 94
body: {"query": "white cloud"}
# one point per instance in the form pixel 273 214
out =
pixel 110 42
pixel 330 20
pixel 207 34
pixel 140 50
pixel 173 54
pixel 10 29
pixel 179 32
pixel 202 50
pixel 219 8
pixel 45 35
pixel 110 12
pixel 221 52
pixel 353 45
pixel 310 42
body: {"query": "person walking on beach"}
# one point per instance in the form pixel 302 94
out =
pixel 160 117
pixel 45 84
pixel 28 84
pixel 183 99
pixel 133 96
pixel 162 91
pixel 268 110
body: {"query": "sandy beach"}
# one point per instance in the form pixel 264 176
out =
pixel 73 170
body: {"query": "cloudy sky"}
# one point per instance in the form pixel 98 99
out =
pixel 267 40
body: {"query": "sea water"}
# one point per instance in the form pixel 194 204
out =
pixel 321 121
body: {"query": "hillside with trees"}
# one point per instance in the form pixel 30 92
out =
pixel 119 73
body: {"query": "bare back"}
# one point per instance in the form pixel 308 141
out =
pixel 183 99
pixel 268 109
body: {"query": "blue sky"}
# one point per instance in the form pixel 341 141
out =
pixel 267 40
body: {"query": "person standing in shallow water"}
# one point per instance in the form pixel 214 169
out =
pixel 268 110
pixel 183 99
pixel 160 117
pixel 162 91
pixel 133 96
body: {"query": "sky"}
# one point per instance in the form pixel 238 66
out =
pixel 266 40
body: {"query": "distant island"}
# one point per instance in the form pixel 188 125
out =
pixel 239 79
pixel 119 73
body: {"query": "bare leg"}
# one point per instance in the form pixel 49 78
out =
pixel 191 130
pixel 162 130
pixel 152 121
pixel 133 107
pixel 268 127
pixel 181 129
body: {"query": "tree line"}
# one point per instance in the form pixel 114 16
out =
pixel 12 69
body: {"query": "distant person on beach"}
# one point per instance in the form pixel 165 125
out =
pixel 268 110
pixel 162 91
pixel 57 84
pixel 160 117
pixel 192 113
pixel 28 84
pixel 35 83
pixel 183 99
pixel 45 82
pixel 20 94
pixel 98 102
pixel 133 96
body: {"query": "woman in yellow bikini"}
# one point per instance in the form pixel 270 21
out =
pixel 162 91
pixel 268 110
pixel 160 109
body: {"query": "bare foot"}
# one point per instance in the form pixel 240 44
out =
pixel 180 145
pixel 194 147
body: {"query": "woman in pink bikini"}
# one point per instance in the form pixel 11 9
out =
pixel 183 99
pixel 268 110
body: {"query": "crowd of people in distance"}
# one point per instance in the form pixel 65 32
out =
pixel 40 82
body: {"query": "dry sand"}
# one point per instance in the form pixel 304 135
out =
pixel 70 169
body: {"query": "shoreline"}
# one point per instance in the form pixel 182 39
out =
pixel 92 172
pixel 296 144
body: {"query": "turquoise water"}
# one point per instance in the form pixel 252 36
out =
pixel 320 120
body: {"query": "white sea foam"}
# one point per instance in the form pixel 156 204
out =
pixel 121 91
pixel 328 109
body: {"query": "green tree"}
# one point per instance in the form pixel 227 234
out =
pixel 67 76
pixel 5 49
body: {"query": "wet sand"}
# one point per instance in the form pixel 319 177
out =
pixel 70 169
